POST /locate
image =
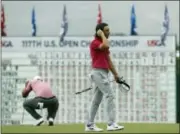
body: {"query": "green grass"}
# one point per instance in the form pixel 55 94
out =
pixel 79 128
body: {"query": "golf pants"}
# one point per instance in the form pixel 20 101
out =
pixel 51 104
pixel 102 88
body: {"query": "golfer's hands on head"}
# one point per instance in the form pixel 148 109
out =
pixel 100 33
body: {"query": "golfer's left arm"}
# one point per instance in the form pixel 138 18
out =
pixel 112 68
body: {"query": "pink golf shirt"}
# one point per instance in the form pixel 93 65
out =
pixel 40 88
pixel 99 57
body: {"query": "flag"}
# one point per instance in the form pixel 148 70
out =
pixel 165 25
pixel 64 25
pixel 99 18
pixel 133 21
pixel 34 28
pixel 3 32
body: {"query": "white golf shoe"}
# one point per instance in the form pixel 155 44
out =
pixel 51 122
pixel 114 126
pixel 93 127
pixel 39 122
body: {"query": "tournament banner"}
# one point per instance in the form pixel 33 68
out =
pixel 144 43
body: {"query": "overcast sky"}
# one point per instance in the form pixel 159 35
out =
pixel 82 16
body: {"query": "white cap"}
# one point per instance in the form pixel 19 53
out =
pixel 37 78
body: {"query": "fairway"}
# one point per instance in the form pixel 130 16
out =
pixel 79 128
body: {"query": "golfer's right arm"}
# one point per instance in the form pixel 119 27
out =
pixel 26 90
pixel 105 44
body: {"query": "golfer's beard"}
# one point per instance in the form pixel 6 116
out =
pixel 107 36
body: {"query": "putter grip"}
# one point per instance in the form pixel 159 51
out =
pixel 121 81
pixel 77 92
pixel 83 90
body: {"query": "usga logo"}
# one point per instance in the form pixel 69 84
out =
pixel 153 43
pixel 6 44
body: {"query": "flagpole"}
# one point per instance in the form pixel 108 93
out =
pixel 165 26
pixel 33 22
pixel 3 33
pixel 133 21
pixel 64 25
pixel 99 17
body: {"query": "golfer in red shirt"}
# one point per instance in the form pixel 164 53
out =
pixel 101 65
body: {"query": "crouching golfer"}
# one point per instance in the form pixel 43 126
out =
pixel 44 99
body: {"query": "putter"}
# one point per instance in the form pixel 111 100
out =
pixel 22 121
pixel 122 83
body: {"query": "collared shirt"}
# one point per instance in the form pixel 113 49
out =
pixel 40 88
pixel 99 57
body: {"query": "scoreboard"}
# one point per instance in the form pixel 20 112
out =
pixel 145 64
